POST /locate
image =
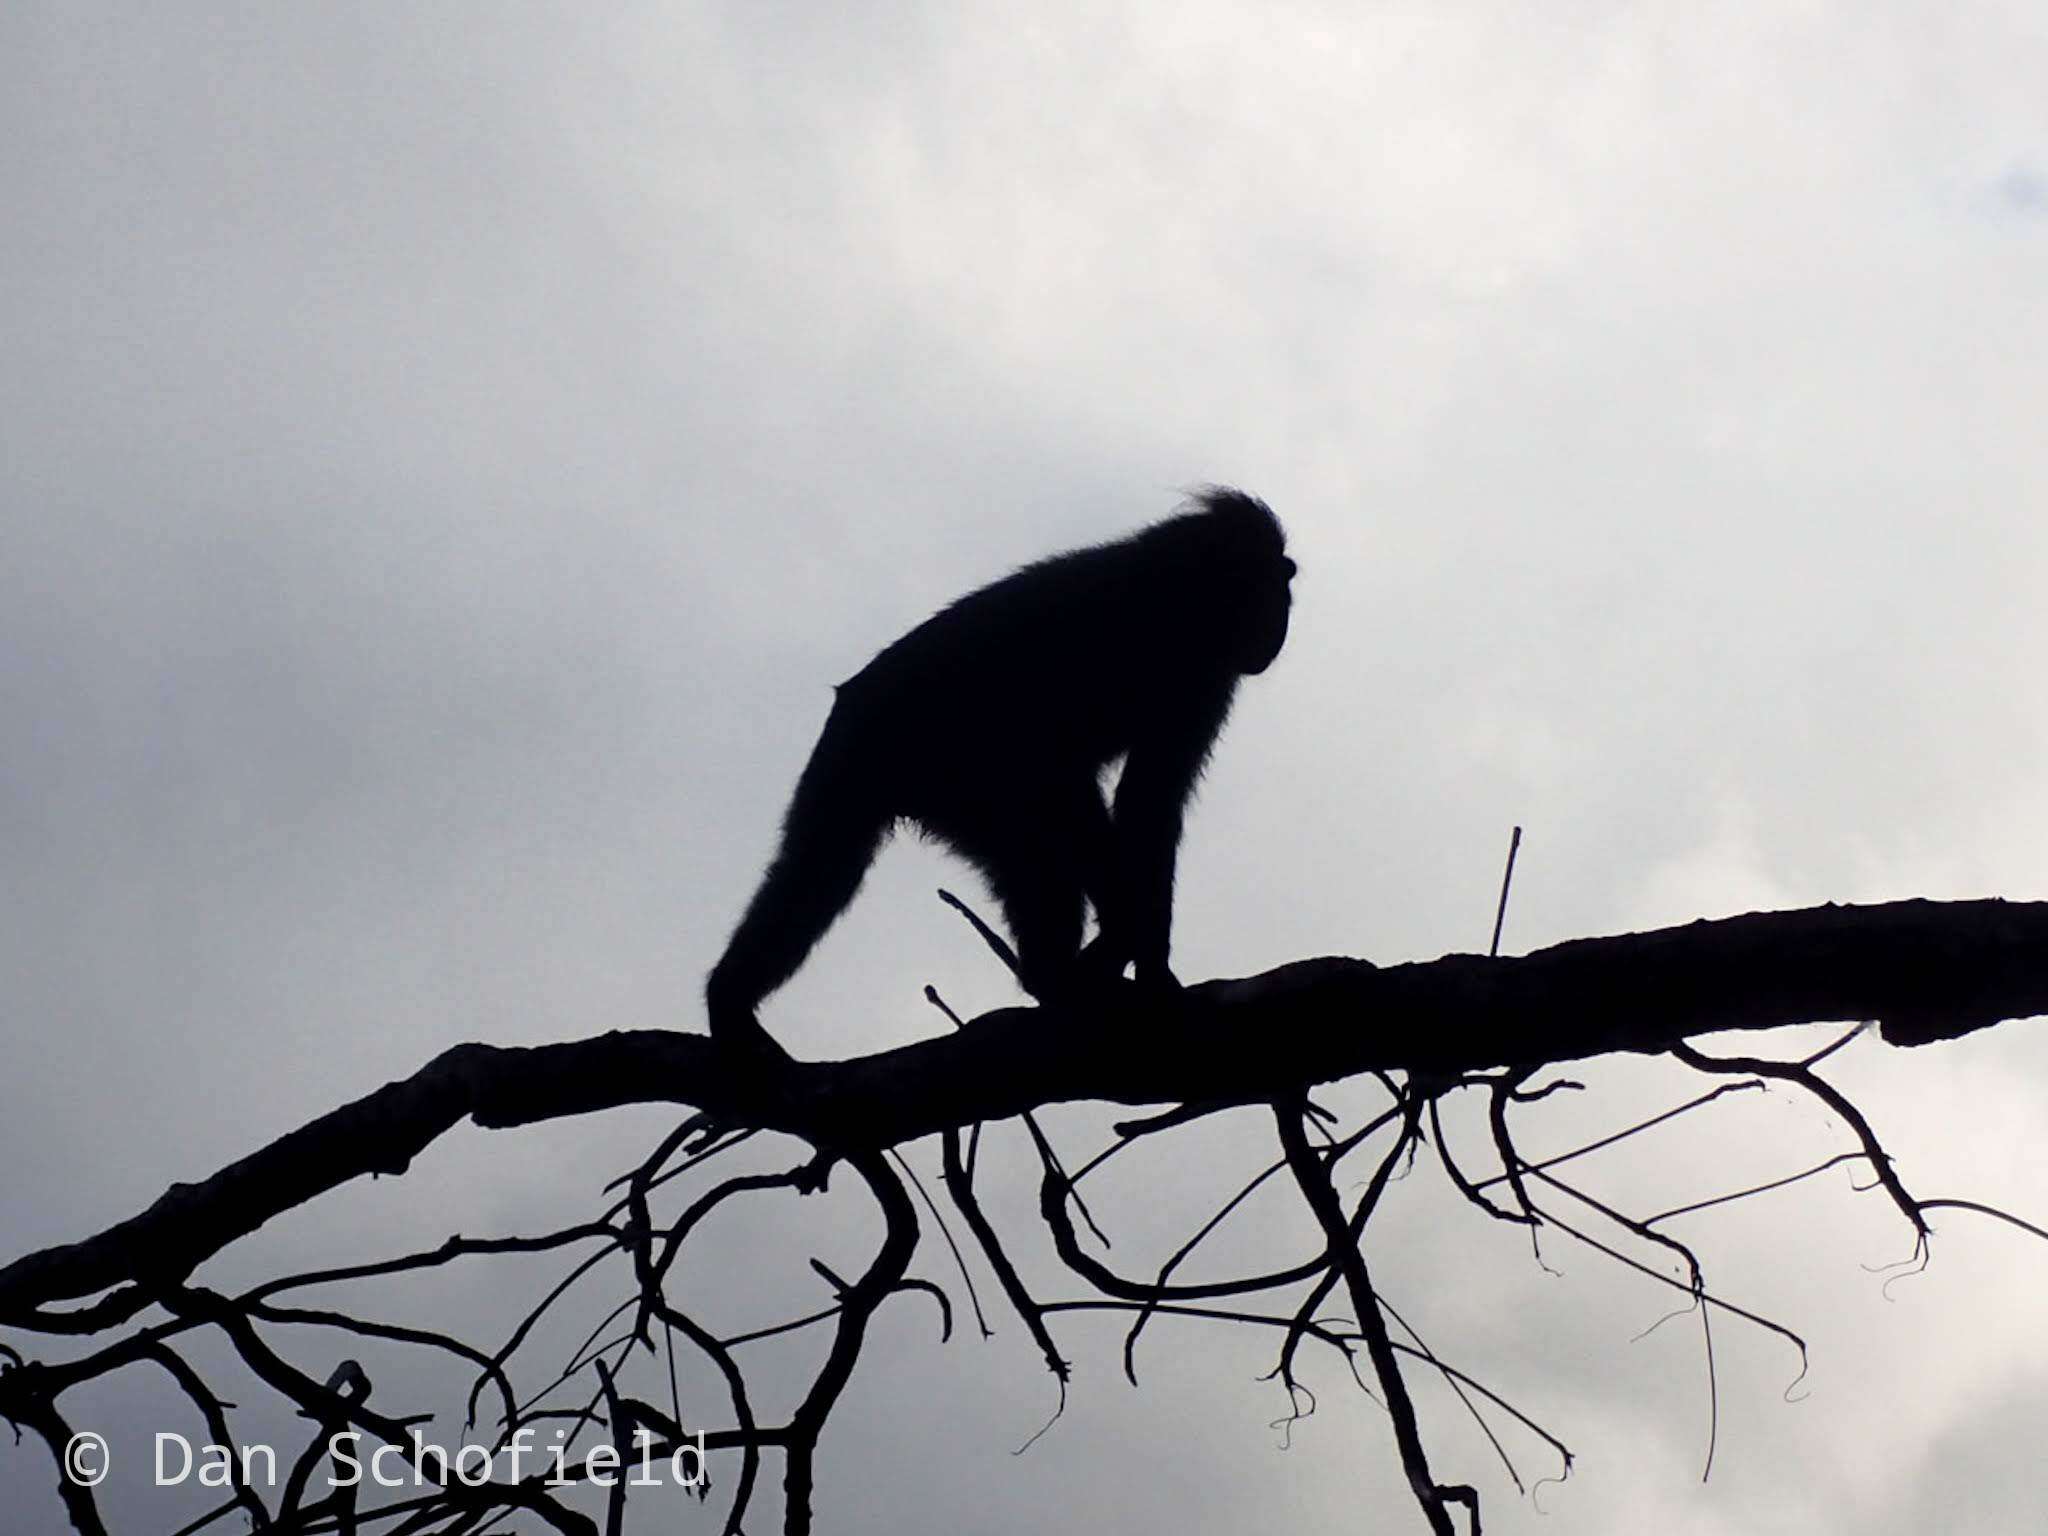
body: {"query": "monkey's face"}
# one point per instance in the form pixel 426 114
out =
pixel 1267 602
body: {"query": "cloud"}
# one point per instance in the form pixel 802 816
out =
pixel 2023 190
pixel 446 457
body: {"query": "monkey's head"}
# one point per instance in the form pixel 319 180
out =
pixel 1231 556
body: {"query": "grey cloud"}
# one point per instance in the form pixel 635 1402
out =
pixel 445 458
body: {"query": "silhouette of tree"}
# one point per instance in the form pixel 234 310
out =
pixel 1462 1025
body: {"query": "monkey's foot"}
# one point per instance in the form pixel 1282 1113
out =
pixel 1100 963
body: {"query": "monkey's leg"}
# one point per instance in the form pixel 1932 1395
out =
pixel 1038 863
pixel 1042 903
pixel 829 838
pixel 1103 958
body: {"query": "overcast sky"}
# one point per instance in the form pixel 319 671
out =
pixel 447 453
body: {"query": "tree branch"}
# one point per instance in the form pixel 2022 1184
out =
pixel 1927 970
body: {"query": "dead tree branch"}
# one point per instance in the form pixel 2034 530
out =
pixel 1924 970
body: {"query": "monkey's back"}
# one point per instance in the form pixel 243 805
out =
pixel 1032 674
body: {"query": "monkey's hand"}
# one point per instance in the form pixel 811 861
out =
pixel 1156 982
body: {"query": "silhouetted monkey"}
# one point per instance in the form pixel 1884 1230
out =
pixel 990 726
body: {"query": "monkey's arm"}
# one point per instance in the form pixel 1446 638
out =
pixel 1158 777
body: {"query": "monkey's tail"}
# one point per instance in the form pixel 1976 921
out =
pixel 829 837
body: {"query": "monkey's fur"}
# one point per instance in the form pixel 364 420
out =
pixel 990 726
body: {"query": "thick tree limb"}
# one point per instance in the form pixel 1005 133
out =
pixel 1927 970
